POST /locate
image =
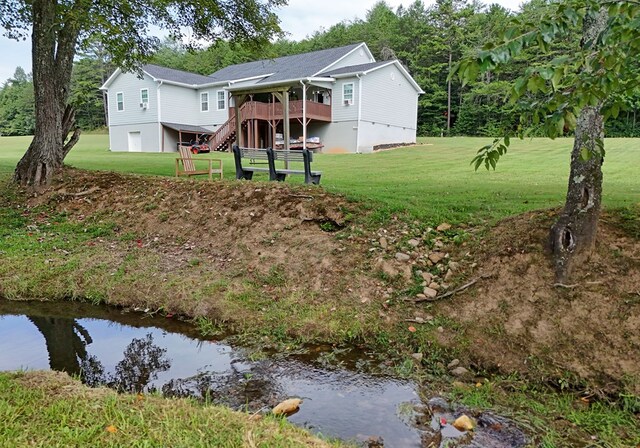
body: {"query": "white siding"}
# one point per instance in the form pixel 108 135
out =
pixel 359 56
pixel 336 137
pixel 180 104
pixel 388 98
pixel 130 85
pixel 213 116
pixel 374 134
pixel 389 109
pixel 149 136
pixel 339 111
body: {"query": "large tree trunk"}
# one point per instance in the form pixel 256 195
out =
pixel 573 236
pixel 53 49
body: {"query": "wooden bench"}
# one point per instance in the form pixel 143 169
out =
pixel 189 167
pixel 246 172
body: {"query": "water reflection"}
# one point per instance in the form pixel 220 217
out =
pixel 141 364
pixel 135 354
pixel 66 342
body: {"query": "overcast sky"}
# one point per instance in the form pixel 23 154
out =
pixel 300 18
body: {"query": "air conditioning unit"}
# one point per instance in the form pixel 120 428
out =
pixel 144 105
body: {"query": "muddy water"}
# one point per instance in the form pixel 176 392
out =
pixel 131 352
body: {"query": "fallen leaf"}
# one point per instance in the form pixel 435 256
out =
pixel 112 429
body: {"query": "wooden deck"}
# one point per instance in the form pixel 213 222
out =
pixel 255 110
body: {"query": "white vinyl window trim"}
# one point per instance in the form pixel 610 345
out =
pixel 347 93
pixel 204 102
pixel 144 96
pixel 120 101
pixel 221 99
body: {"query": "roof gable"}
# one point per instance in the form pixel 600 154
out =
pixel 367 68
pixel 353 69
pixel 296 66
pixel 170 75
pixel 178 76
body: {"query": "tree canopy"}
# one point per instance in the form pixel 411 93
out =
pixel 61 28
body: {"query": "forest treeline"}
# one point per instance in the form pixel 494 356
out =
pixel 427 40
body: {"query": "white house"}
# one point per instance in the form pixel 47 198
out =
pixel 338 100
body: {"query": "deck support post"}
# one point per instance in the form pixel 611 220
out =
pixel 304 115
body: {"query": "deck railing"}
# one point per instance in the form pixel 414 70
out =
pixel 255 110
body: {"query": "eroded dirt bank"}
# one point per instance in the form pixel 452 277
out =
pixel 518 319
pixel 296 262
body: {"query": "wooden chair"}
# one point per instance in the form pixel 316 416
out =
pixel 189 166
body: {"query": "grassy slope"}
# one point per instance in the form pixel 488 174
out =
pixel 433 181
pixel 49 409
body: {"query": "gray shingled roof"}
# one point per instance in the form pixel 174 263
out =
pixel 187 128
pixel 284 68
pixel 354 68
pixel 169 74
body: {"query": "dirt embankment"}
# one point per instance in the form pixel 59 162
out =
pixel 518 319
pixel 192 247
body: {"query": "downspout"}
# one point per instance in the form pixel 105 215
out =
pixel 161 136
pixel 304 115
pixel 359 113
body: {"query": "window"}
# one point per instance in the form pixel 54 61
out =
pixel 144 97
pixel 347 93
pixel 222 97
pixel 204 102
pixel 120 101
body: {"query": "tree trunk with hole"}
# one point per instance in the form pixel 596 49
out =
pixel 573 236
pixel 53 49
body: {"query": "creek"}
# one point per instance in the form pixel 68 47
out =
pixel 134 352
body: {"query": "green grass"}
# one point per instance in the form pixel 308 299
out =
pixel 558 419
pixel 433 181
pixel 48 409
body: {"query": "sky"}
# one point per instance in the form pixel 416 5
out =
pixel 299 18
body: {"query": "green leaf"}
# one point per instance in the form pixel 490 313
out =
pixel 560 126
pixel 570 120
pixel 559 61
pixel 546 73
pixel 615 110
pixel 585 154
pixel 520 86
pixel 557 77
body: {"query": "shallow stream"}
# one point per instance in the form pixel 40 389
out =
pixel 133 352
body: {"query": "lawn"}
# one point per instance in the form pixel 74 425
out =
pixel 433 180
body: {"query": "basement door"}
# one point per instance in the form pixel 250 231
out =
pixel 135 141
